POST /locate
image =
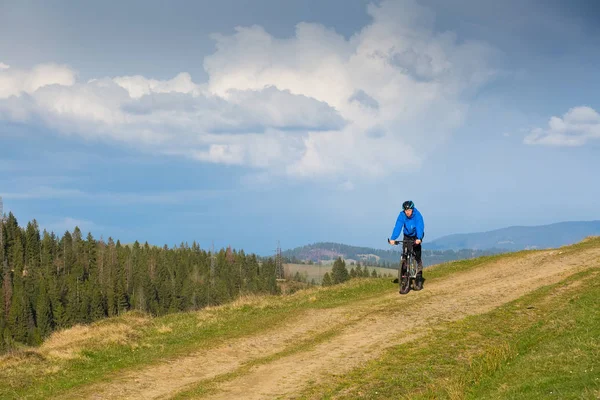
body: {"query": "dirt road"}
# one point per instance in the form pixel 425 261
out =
pixel 267 366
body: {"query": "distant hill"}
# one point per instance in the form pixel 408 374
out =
pixel 326 252
pixel 519 237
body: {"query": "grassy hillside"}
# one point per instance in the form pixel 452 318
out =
pixel 83 355
pixel 541 345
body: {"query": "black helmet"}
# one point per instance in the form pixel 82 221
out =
pixel 408 205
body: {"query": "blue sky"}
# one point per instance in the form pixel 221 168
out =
pixel 248 122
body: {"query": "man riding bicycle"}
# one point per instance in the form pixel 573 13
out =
pixel 411 222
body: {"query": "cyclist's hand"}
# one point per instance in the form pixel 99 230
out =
pixel 390 241
pixel 418 241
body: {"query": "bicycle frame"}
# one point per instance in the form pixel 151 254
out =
pixel 408 254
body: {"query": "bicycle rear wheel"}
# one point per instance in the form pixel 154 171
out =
pixel 404 278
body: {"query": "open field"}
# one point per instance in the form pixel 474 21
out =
pixel 316 272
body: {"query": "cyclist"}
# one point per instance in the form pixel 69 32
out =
pixel 411 222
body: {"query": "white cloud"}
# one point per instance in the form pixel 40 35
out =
pixel 138 86
pixel 576 127
pixel 312 105
pixel 14 82
pixel 174 118
pixel 43 192
pixel 118 198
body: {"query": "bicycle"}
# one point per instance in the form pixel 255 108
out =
pixel 408 256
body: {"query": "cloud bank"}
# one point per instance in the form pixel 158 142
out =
pixel 576 127
pixel 315 105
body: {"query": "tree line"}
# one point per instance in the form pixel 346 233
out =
pixel 340 273
pixel 49 282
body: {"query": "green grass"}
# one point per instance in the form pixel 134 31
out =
pixel 544 345
pixel 30 374
pixel 26 378
pixel 209 386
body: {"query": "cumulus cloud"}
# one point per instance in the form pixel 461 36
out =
pixel 576 127
pixel 312 105
pixel 14 82
pixel 175 116
pixel 172 197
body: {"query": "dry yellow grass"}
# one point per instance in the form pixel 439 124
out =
pixel 590 238
pixel 164 329
pixel 68 344
pixel 259 301
pixel 208 314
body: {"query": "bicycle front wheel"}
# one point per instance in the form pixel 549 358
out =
pixel 412 271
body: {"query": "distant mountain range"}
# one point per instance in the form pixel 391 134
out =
pixel 455 247
pixel 516 238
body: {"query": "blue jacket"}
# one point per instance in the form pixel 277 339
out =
pixel 413 226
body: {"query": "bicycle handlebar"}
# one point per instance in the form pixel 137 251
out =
pixel 404 240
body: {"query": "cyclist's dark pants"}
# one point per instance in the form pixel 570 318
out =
pixel 417 250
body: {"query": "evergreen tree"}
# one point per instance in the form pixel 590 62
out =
pixel 72 306
pixel 7 289
pixel 43 312
pixel 111 279
pixel 47 253
pixel 85 302
pixel 326 280
pixel 32 244
pixel 55 292
pixel 268 277
pixel 120 289
pixel 4 242
pixel 55 282
pixel 98 305
pixel 3 323
pixel 10 231
pixel 122 298
pixel 359 271
pixel 339 272
pixel 91 265
pixel 297 277
pixel 67 253
pixel 20 314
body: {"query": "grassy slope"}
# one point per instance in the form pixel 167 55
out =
pixel 543 345
pixel 134 340
pixel 141 341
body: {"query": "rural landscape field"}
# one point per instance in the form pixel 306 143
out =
pixel 300 199
pixel 520 325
